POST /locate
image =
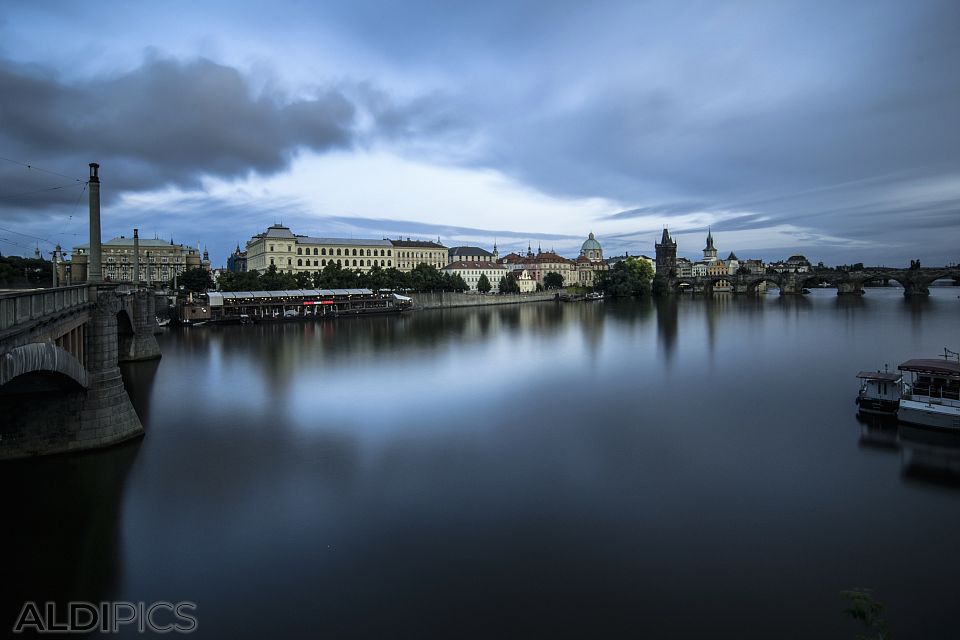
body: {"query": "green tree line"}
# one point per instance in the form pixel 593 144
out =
pixel 422 278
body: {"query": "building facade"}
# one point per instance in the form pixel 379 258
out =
pixel 471 271
pixel 470 254
pixel 159 260
pixel 292 253
pixel 411 253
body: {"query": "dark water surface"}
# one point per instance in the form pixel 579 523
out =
pixel 682 469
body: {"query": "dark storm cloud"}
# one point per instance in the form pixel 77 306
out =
pixel 166 122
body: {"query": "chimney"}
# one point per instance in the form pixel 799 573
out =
pixel 136 257
pixel 94 268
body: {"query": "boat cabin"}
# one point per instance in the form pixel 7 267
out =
pixel 879 392
pixel 933 379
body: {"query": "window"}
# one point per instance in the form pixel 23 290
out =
pixel 316 264
pixel 314 251
pixel 299 251
pixel 338 262
pixel 299 262
pixel 354 262
pixel 289 262
pixel 323 263
pixel 288 248
pixel 338 253
pixel 354 253
pixel 323 251
pixel 271 260
pixel 271 249
pixel 389 263
pixel 368 251
pixel 389 251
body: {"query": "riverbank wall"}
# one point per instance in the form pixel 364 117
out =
pixel 447 300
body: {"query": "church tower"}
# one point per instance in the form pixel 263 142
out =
pixel 709 252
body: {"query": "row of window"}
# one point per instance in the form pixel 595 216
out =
pixel 344 263
pixel 323 251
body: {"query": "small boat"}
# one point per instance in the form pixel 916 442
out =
pixel 879 393
pixel 163 322
pixel 932 397
pixel 594 295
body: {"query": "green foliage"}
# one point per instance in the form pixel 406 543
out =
pixel 303 280
pixel 509 284
pixel 553 280
pixel 25 272
pixel 866 609
pixel 243 281
pixel 274 280
pixel 630 277
pixel 483 284
pixel 196 279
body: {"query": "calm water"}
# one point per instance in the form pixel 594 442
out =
pixel 680 469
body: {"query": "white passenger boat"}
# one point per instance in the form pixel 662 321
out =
pixel 932 396
pixel 879 393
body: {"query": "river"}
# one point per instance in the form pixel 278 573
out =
pixel 683 468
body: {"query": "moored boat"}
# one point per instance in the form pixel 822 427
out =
pixel 932 396
pixel 879 393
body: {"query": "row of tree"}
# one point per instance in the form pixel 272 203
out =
pixel 422 278
pixel 629 277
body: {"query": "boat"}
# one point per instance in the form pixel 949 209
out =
pixel 162 322
pixel 594 295
pixel 932 397
pixel 880 393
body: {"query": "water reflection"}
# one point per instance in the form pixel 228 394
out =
pixel 930 457
pixel 927 456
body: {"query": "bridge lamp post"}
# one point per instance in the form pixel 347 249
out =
pixel 94 266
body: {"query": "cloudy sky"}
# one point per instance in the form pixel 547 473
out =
pixel 827 128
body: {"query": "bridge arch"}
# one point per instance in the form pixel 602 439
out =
pixel 41 357
pixel 755 282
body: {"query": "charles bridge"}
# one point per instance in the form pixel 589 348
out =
pixel 915 281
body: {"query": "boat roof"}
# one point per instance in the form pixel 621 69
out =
pixel 931 365
pixel 880 375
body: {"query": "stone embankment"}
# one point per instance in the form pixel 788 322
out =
pixel 446 300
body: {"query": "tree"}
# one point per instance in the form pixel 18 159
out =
pixel 509 284
pixel 197 280
pixel 274 280
pixel 303 279
pixel 483 284
pixel 552 280
pixel 243 281
pixel 629 277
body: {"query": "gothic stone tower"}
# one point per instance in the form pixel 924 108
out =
pixel 666 254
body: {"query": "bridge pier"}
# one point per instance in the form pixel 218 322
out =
pixel 915 288
pixel 51 413
pixel 790 285
pixel 142 344
pixel 849 288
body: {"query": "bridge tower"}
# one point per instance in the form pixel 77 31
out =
pixel 666 254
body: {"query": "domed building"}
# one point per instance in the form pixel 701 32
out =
pixel 589 261
pixel 591 249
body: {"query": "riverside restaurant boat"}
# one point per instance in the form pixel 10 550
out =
pixel 932 397
pixel 879 393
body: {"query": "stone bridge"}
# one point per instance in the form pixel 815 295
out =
pixel 60 383
pixel 914 281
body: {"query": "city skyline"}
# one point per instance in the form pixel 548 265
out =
pixel 787 129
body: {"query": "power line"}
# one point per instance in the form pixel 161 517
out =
pixel 27 235
pixel 45 189
pixel 36 168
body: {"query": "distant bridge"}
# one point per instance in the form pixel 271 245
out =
pixel 915 282
pixel 68 341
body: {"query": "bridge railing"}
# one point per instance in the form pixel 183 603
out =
pixel 18 307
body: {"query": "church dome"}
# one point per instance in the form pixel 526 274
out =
pixel 590 244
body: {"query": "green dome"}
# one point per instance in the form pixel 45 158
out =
pixel 590 244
